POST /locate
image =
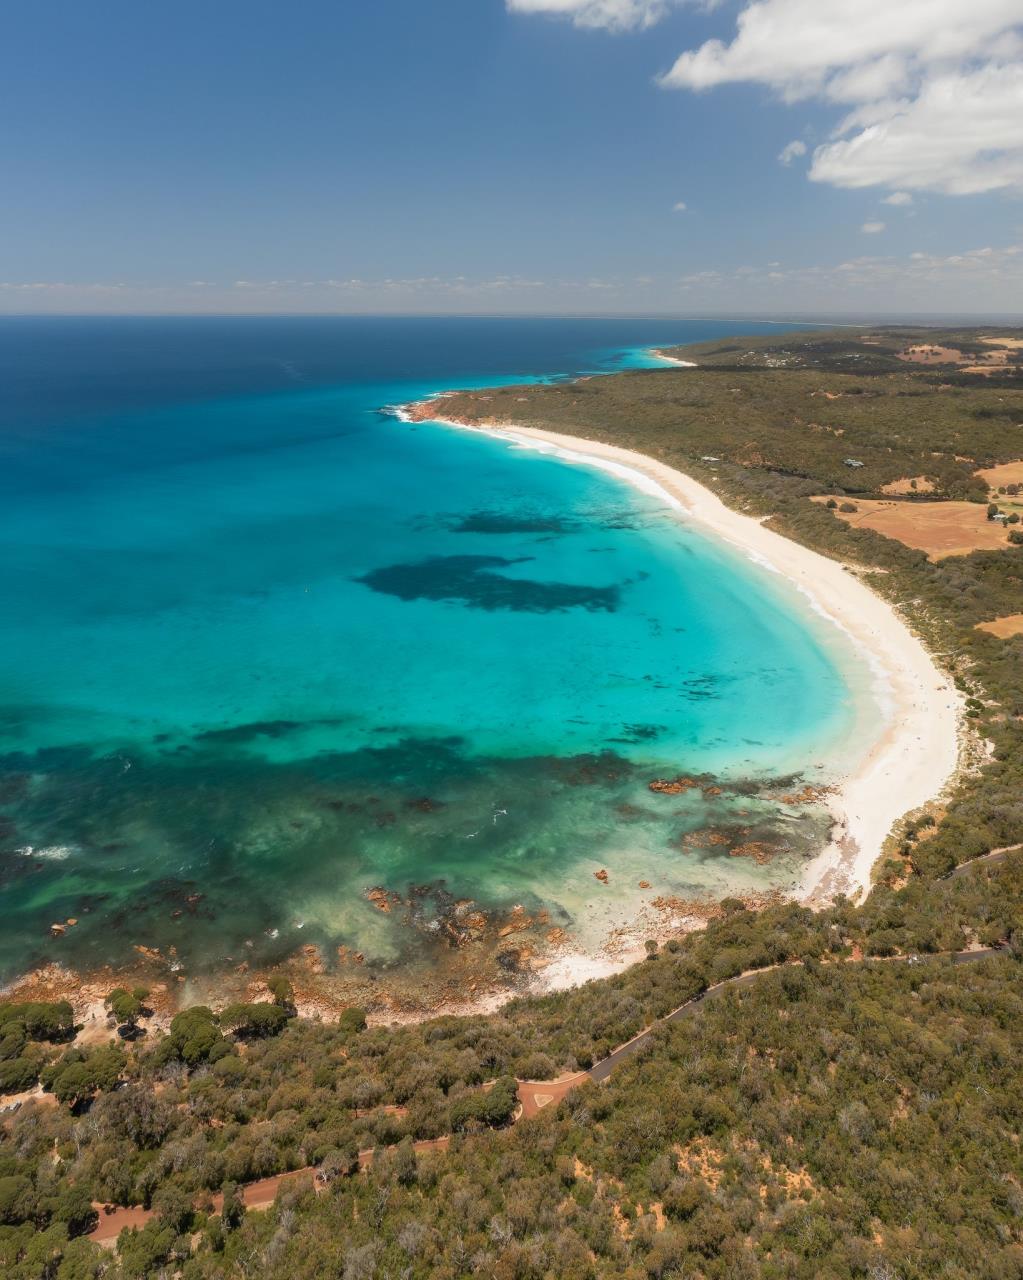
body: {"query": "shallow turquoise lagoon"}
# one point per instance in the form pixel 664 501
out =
pixel 265 647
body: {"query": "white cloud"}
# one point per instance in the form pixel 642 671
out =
pixel 614 15
pixel 960 135
pixel 872 228
pixel 679 206
pixel 865 46
pixel 899 198
pixel 934 87
pixel 791 151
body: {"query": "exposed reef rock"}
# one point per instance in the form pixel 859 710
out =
pixel 704 839
pixel 673 787
pixel 383 899
pixel 810 794
pixel 761 852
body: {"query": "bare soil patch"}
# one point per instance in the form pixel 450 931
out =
pixel 1014 344
pixel 928 354
pixel 1007 473
pixel 939 529
pixel 1004 352
pixel 908 484
pixel 1009 625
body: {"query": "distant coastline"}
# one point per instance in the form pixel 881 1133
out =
pixel 915 754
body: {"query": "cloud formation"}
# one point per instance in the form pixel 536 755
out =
pixel 679 206
pixel 933 88
pixel 612 15
pixel 792 151
pixel 872 228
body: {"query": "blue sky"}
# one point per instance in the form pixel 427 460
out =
pixel 512 156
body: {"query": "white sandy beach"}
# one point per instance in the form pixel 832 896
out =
pixel 916 750
pixel 658 354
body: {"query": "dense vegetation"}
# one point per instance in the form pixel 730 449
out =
pixel 846 1117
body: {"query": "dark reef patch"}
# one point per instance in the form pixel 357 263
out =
pixel 475 582
pixel 632 733
pixel 239 733
pixel 500 522
pixel 701 688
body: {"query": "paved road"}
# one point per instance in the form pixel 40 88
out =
pixel 985 859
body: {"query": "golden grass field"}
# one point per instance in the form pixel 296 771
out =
pixel 1007 473
pixel 937 528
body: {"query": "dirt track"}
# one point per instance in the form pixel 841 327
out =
pixel 534 1095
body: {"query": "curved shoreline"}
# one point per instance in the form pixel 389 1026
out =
pixel 917 751
pixel 910 762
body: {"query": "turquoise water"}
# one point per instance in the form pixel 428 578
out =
pixel 266 648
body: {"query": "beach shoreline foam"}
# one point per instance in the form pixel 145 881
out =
pixel 917 751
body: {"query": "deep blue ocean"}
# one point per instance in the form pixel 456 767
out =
pixel 265 648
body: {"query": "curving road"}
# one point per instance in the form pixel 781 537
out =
pixel 602 1069
pixel 984 859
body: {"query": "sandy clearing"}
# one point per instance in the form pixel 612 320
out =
pixel 931 355
pixel 1011 624
pixel 939 529
pixel 1005 473
pixel 1015 344
pixel 908 484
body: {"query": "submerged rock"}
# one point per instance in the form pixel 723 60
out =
pixel 672 787
pixel 425 805
pixel 704 839
pixel 761 852
pixel 383 899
